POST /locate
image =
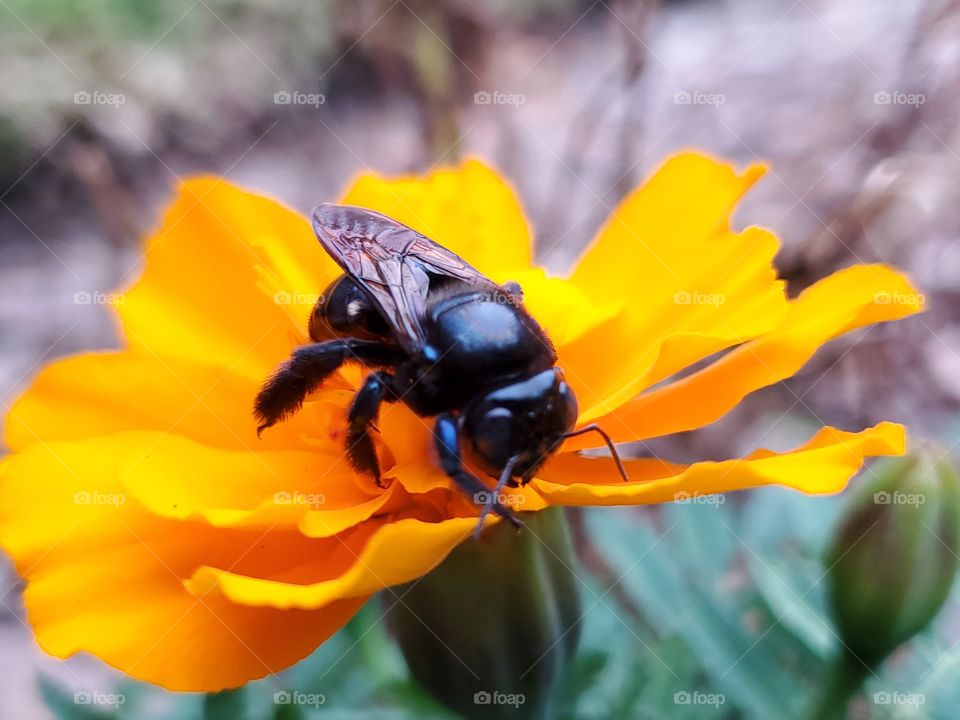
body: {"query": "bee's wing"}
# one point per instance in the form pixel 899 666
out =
pixel 392 263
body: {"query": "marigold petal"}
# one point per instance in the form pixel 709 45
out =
pixel 655 229
pixel 408 436
pixel 104 393
pixel 424 476
pixel 688 286
pixel 469 209
pixel 167 636
pixel 105 576
pixel 561 308
pixel 848 299
pixel 397 553
pixel 230 278
pixel 319 494
pixel 176 478
pixel 822 465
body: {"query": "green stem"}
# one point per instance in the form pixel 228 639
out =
pixel 846 678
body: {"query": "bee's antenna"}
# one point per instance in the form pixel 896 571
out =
pixel 606 438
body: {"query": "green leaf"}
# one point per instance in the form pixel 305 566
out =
pixel 226 705
pixel 683 579
pixel 68 705
pixel 792 589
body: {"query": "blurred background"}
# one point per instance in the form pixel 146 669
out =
pixel 854 105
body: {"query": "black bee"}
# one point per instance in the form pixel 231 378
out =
pixel 441 338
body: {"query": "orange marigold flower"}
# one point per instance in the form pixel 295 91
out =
pixel 158 533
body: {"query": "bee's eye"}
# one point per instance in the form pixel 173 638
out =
pixel 493 436
pixel 497 426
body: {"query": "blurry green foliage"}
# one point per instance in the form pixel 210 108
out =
pixel 115 19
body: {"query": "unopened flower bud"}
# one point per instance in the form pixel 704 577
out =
pixel 893 560
pixel 489 631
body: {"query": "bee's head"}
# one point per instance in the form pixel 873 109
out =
pixel 520 423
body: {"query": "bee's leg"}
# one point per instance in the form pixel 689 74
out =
pixel 308 366
pixel 447 441
pixel 377 388
pixel 494 497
